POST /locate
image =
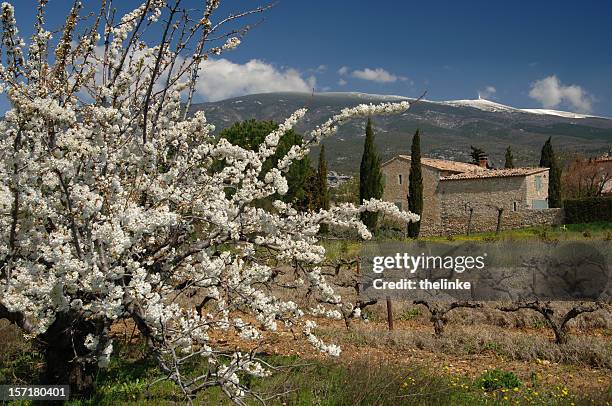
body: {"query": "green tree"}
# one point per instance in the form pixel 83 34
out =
pixel 549 160
pixel 323 190
pixel 476 154
pixel 509 164
pixel 547 154
pixel 370 177
pixel 251 133
pixel 311 198
pixel 415 185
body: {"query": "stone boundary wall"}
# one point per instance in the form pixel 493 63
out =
pixel 457 223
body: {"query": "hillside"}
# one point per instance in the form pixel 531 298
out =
pixel 448 128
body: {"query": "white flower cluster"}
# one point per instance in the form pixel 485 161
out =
pixel 231 43
pixel 228 373
pixel 100 223
pixel 316 342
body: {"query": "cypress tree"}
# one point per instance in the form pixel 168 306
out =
pixel 370 177
pixel 547 154
pixel 322 185
pixel 311 198
pixel 554 184
pixel 549 160
pixel 509 164
pixel 415 185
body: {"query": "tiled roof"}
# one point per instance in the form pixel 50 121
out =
pixel 495 173
pixel 444 165
pixel 465 170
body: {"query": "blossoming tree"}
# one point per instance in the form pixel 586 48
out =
pixel 110 208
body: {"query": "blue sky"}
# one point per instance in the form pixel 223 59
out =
pixel 543 54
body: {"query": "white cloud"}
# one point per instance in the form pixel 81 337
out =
pixel 552 93
pixel 222 79
pixel 487 93
pixel 342 82
pixel 343 70
pixel 376 75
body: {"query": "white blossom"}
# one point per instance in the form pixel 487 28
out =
pixel 111 209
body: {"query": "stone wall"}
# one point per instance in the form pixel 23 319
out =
pixel 398 193
pixel 483 199
pixel 457 223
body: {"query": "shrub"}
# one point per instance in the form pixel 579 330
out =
pixel 410 313
pixel 497 379
pixel 588 210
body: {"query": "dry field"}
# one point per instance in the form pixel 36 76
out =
pixel 475 342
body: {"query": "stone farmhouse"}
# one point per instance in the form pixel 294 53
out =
pixel 460 198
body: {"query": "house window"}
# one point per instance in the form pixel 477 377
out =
pixel 538 183
pixel 514 206
pixel 399 178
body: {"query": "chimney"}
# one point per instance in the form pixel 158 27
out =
pixel 483 161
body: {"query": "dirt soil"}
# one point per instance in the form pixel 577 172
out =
pixel 577 378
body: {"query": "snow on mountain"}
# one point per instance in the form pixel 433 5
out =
pixel 487 105
pixel 481 104
pixel 566 114
pixel 366 96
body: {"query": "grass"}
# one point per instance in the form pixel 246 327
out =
pixel 337 249
pixel 351 247
pixel 128 382
pixel 131 380
pixel 298 384
pixel 410 313
pixel 570 232
pixel 17 357
pixel 498 379
pixel 464 341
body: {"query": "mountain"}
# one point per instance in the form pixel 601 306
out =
pixel 448 128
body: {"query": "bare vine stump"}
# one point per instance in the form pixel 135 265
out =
pixel 389 314
pixel 438 313
pixel 557 324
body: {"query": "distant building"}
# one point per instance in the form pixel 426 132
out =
pixel 335 179
pixel 459 195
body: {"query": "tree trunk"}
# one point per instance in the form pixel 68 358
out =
pixel 500 213
pixel 438 325
pixel 67 361
pixel 469 225
pixel 560 334
pixel 389 314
